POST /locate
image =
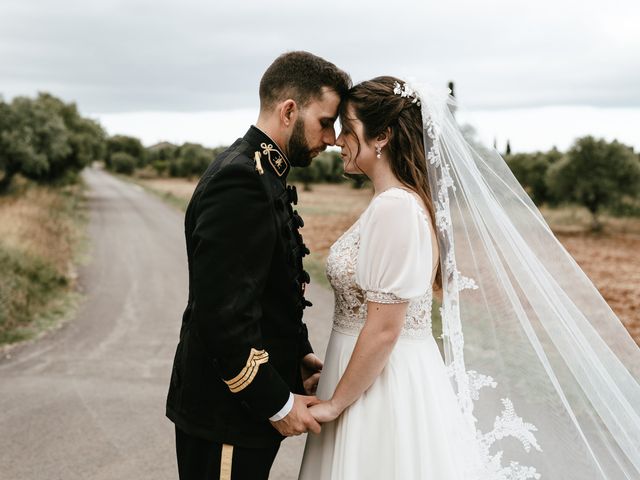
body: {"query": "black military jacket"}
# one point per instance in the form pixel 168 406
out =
pixel 242 335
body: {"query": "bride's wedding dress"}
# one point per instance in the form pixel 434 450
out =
pixel 407 425
pixel 525 332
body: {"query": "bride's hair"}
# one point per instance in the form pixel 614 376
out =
pixel 377 106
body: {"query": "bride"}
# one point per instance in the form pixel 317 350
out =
pixel 536 380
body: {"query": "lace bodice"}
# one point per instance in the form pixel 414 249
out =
pixel 351 300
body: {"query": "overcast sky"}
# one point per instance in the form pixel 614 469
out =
pixel 161 70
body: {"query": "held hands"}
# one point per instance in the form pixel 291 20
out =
pixel 308 412
pixel 325 411
pixel 299 420
pixel 310 368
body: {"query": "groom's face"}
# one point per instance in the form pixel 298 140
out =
pixel 314 129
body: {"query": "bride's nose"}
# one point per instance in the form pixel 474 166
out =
pixel 340 141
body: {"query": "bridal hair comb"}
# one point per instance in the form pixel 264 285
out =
pixel 406 91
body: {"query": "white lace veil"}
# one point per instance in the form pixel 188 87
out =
pixel 545 373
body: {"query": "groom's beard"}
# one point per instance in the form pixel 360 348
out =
pixel 298 150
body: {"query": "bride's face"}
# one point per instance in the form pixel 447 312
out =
pixel 357 154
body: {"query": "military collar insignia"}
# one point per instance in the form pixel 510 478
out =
pixel 275 158
pixel 268 154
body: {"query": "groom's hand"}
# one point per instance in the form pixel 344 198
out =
pixel 299 420
pixel 310 368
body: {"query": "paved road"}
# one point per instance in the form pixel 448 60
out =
pixel 87 401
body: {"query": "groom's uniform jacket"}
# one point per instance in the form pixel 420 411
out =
pixel 242 336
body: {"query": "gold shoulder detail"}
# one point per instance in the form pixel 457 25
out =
pixel 249 372
pixel 257 158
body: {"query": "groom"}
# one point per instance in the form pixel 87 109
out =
pixel 244 362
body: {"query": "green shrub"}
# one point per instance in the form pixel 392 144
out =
pixel 26 285
pixel 122 162
pixel 531 171
pixel 125 144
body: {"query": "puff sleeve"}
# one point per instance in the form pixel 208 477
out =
pixel 395 257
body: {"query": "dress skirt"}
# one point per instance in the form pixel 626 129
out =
pixel 405 426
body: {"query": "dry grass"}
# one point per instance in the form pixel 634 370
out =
pixel 176 191
pixel 578 220
pixel 328 211
pixel 38 224
pixel 610 259
pixel 178 187
pixel 40 234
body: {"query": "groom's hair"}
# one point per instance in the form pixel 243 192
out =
pixel 301 77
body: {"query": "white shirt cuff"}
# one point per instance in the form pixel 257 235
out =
pixel 284 411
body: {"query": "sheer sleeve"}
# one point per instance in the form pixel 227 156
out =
pixel 395 256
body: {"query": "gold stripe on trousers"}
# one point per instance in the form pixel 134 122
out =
pixel 226 460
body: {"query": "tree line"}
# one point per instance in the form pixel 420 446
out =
pixel 127 155
pixel 596 174
pixel 46 140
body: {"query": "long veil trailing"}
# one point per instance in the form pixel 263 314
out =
pixel 545 373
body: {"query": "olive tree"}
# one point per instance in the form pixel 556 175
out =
pixel 596 174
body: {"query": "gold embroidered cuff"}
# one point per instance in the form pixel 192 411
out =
pixel 249 372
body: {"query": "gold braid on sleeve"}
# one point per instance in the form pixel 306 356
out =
pixel 249 372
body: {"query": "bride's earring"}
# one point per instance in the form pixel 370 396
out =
pixel 378 151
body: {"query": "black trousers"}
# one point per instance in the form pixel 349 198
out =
pixel 202 460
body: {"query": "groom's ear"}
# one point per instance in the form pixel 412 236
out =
pixel 288 112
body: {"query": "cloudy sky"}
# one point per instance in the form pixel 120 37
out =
pixel 538 72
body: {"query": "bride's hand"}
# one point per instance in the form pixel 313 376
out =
pixel 325 411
